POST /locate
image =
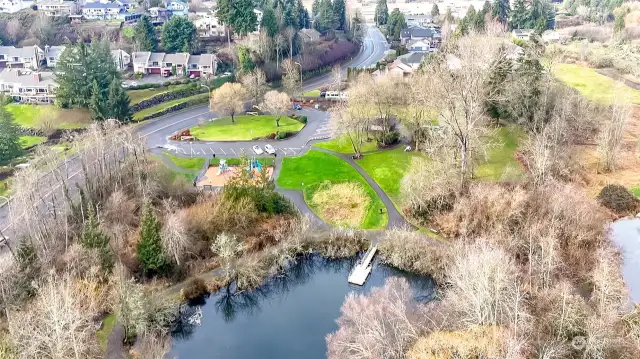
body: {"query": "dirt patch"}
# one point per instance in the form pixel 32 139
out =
pixel 342 203
pixel 213 176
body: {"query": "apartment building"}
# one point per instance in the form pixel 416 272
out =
pixel 103 11
pixel 28 86
pixel 55 8
pixel 52 54
pixel 30 57
pixel 183 64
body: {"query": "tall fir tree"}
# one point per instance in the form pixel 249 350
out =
pixel 9 137
pixel 289 11
pixel 118 102
pixel 97 105
pixel 500 10
pixel 94 238
pixel 269 21
pixel 150 252
pixel 395 24
pixel 340 14
pixel 243 17
pixel 145 35
pixel 303 15
pixel 381 13
pixel 486 8
pixel 224 11
pixel 315 8
pixel 179 35
pixel 519 15
pixel 325 20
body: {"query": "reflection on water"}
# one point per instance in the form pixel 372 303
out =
pixel 626 234
pixel 287 317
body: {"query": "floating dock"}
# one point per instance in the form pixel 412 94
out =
pixel 360 272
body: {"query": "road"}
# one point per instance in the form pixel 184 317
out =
pixel 156 132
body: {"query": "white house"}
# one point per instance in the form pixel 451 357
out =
pixel 522 34
pixel 28 86
pixel 30 57
pixel 102 11
pixel 207 25
pixel 177 7
pixel 550 36
pixel 11 6
pixel 164 64
pixel 121 59
pixel 127 4
pixel 419 46
pixel 55 8
pixel 52 54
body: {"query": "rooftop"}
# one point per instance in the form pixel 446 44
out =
pixel 202 60
pixel 412 58
pixel 53 51
pixel 13 51
pixel 99 5
pixel 27 78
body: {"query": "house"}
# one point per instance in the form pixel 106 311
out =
pixel 28 86
pixel 177 7
pixel 419 20
pixel 102 11
pixel 413 33
pixel 52 55
pixel 159 15
pixel 121 59
pixel 128 5
pixel 309 35
pixel 21 57
pixel 179 64
pixel 207 25
pixel 522 34
pixel 11 6
pixel 419 46
pixel 406 64
pixel 550 36
pixel 55 8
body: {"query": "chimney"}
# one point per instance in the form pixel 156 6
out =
pixel 36 76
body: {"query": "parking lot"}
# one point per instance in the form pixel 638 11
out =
pixel 230 151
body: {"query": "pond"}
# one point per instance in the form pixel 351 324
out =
pixel 288 317
pixel 626 234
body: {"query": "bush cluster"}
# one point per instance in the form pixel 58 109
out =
pixel 188 91
pixel 199 100
pixel 194 289
pixel 618 199
pixel 300 118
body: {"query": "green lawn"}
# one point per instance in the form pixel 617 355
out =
pixel 107 327
pixel 341 144
pixel 312 93
pixel 137 96
pixel 37 116
pixel 188 163
pixel 501 159
pixel 636 191
pixel 29 141
pixel 246 127
pixel 593 85
pixel 165 105
pixel 388 168
pixel 308 172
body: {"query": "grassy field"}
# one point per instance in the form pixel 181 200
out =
pixel 312 171
pixel 388 168
pixel 107 327
pixel 636 191
pixel 341 144
pixel 137 96
pixel 33 116
pixel 188 163
pixel 163 106
pixel 29 141
pixel 246 127
pixel 312 93
pixel 501 162
pixel 593 85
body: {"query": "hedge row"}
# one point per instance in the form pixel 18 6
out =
pixel 196 100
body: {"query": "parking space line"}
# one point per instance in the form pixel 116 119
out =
pixel 223 151
pixel 234 152
pixel 212 151
pixel 283 151
pixel 183 151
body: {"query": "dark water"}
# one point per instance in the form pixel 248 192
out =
pixel 288 317
pixel 626 234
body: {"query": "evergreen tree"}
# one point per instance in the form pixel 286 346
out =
pixel 519 15
pixel 339 12
pixel 395 24
pixel 94 238
pixel 315 8
pixel 244 59
pixel 289 11
pixel 497 78
pixel 150 252
pixel 381 13
pixel 118 102
pixel 145 35
pixel 435 11
pixel 500 10
pixel 9 137
pixel 486 8
pixel 469 20
pixel 303 14
pixel 325 20
pixel 243 18
pixel 269 22
pixel 97 104
pixel 179 35
pixel 224 11
pixel 448 16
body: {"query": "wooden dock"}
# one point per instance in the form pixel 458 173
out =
pixel 360 272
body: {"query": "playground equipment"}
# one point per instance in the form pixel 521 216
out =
pixel 255 165
pixel 223 167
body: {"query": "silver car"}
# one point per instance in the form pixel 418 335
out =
pixel 257 150
pixel 269 149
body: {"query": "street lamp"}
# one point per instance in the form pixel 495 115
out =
pixel 208 88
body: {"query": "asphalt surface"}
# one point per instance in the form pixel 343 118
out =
pixel 156 132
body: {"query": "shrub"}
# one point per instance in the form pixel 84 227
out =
pixel 618 199
pixel 302 119
pixel 194 289
pixel 196 100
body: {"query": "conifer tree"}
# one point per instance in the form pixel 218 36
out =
pixel 501 9
pixel 150 252
pixel 94 238
pixel 118 102
pixel 435 11
pixel 9 137
pixel 145 35
pixel 243 18
pixel 97 103
pixel 381 12
pixel 269 22
pixel 340 14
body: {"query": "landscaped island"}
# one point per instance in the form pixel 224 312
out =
pixel 245 128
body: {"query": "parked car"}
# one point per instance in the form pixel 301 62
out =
pixel 257 150
pixel 269 149
pixel 297 107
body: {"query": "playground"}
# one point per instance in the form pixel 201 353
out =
pixel 218 176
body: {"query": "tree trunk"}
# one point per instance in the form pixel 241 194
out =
pixel 233 118
pixel 278 121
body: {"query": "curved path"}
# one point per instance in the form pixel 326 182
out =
pixel 155 132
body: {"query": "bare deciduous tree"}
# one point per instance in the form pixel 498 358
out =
pixel 290 34
pixel 175 236
pixel 276 103
pixel 256 84
pixel 228 99
pixel 379 325
pixel 612 133
pixel 291 77
pixel 227 247
pixel 337 78
pixel 153 346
